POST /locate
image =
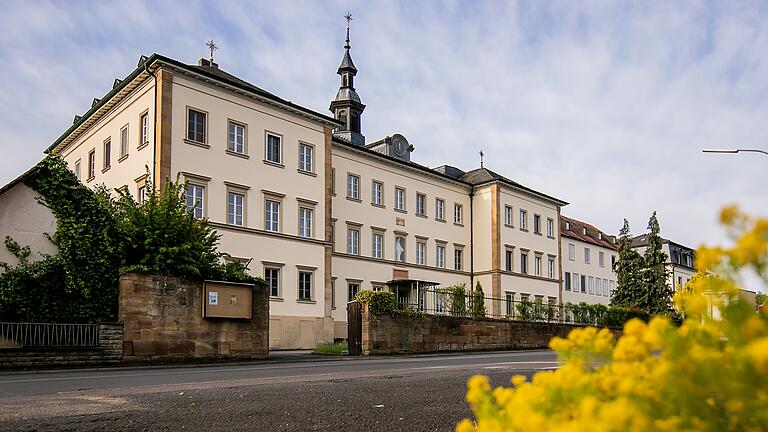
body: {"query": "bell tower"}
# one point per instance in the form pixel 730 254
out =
pixel 346 107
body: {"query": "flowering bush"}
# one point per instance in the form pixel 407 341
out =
pixel 706 375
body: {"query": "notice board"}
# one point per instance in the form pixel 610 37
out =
pixel 227 300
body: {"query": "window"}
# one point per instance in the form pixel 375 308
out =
pixel 400 249
pixel 274 149
pixel 612 287
pixel 271 215
pixel 195 195
pixel 550 267
pixel 144 125
pixel 77 169
pixel 576 280
pixel 457 259
pixel 613 261
pixel 305 157
pixel 272 278
pixel 509 255
pixel 605 287
pixel 601 258
pixel 141 193
pixel 567 281
pixel 537 265
pixel 523 220
pixel 421 201
pixel 305 222
pixel 236 138
pixel 458 214
pixel 550 227
pixel 377 198
pixel 568 226
pixel 584 230
pixel 523 262
pixel 377 245
pixel 107 153
pixel 583 283
pixel 591 285
pixel 353 186
pixel 353 241
pixel 509 302
pixel 399 199
pixel 235 208
pixel 353 289
pixel 571 251
pixel 124 142
pixel 333 181
pixel 536 224
pixel 440 209
pixel 421 253
pixel 196 126
pixel 305 285
pixel 440 256
pixel 586 255
pixel 508 216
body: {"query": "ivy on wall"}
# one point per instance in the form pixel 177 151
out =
pixel 97 235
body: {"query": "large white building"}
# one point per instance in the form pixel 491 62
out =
pixel 588 258
pixel 320 213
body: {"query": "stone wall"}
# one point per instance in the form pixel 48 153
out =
pixel 109 351
pixel 162 318
pixel 384 334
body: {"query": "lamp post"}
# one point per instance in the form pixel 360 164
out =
pixel 735 151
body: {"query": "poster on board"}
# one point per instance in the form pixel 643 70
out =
pixel 213 298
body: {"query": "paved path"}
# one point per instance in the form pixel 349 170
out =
pixel 382 393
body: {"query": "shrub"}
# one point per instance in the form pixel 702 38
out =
pixel 706 375
pixel 379 302
pixel 457 300
pixel 478 302
pixel 525 310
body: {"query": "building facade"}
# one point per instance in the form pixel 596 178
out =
pixel 309 205
pixel 588 258
pixel 680 259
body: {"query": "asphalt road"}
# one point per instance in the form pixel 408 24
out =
pixel 424 393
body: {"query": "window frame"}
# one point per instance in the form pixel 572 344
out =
pixel 523 220
pixel 267 154
pixel 439 209
pixel 401 206
pixel 124 143
pixel 421 204
pixel 353 247
pixel 537 224
pixel 244 206
pixel 440 257
pixel 380 249
pixel 587 257
pixel 279 269
pixel 509 216
pixel 202 206
pixel 106 155
pixel 143 129
pixel 356 190
pixel 458 214
pixel 458 258
pixel 310 169
pixel 311 281
pixel 310 228
pixel 377 192
pixel 550 228
pixel 523 262
pixel 233 150
pixel 269 203
pixel 194 140
pixel 421 252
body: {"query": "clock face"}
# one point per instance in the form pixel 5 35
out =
pixel 399 147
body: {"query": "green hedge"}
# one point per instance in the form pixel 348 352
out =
pixel 603 316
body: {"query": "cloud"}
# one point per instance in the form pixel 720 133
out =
pixel 605 105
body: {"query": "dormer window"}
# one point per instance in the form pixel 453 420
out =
pixel 584 230
pixel 599 236
pixel 568 226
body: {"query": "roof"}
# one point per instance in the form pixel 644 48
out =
pixel 481 176
pixel 593 235
pixel 642 241
pixel 346 62
pixel 25 175
pixel 152 63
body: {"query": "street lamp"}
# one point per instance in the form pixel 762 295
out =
pixel 735 151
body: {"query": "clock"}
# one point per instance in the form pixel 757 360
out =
pixel 399 145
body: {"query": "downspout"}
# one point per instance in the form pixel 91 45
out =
pixel 471 238
pixel 154 125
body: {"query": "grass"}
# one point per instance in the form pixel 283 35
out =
pixel 331 349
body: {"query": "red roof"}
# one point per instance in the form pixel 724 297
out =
pixel 574 229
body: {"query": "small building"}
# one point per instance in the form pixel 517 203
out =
pixel 589 255
pixel 680 259
pixel 25 220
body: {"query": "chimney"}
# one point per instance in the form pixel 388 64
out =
pixel 207 63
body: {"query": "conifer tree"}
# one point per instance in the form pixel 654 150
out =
pixel 629 268
pixel 658 293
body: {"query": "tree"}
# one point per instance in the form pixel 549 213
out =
pixel 478 302
pixel 658 292
pixel 628 268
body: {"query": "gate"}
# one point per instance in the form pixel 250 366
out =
pixel 354 328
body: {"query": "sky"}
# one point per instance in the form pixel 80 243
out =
pixel 605 105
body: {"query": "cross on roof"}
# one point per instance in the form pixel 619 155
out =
pixel 211 46
pixel 481 158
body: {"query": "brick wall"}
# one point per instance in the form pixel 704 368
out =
pixel 109 351
pixel 384 334
pixel 162 318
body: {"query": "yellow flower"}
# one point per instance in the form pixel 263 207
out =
pixel 465 426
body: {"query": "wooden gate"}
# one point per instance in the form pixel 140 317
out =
pixel 354 328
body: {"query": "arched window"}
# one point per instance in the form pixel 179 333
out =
pixel 344 81
pixel 343 118
pixel 355 126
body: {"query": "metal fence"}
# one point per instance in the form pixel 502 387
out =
pixel 49 335
pixel 458 303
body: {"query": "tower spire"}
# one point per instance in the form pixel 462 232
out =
pixel 348 17
pixel 347 107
